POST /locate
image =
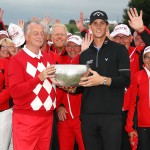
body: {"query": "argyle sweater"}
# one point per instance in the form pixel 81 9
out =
pixel 31 96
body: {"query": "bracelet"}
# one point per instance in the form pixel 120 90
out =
pixel 105 81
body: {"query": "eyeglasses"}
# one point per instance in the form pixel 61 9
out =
pixel 121 38
pixel 73 46
pixel 147 58
pixel 6 47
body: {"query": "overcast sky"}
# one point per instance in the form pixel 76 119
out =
pixel 61 9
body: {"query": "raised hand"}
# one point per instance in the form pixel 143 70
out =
pixel 21 23
pixel 136 21
pixel 1 14
pixel 87 40
pixel 80 22
pixel 47 20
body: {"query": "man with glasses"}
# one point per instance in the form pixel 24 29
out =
pixel 69 125
pixel 122 34
pixel 140 86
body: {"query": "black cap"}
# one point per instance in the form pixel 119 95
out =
pixel 98 14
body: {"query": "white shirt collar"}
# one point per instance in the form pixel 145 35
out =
pixel 31 53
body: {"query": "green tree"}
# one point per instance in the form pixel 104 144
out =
pixel 72 21
pixel 143 5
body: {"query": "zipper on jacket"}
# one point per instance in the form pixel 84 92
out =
pixel 97 59
pixel 69 106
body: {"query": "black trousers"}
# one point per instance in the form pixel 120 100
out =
pixel 54 141
pixel 125 144
pixel 102 131
pixel 144 138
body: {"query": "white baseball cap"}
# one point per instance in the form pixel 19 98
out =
pixel 16 34
pixel 75 38
pixel 4 33
pixel 121 29
pixel 146 50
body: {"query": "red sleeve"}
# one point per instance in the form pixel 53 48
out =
pixel 145 29
pixel 2 63
pixel 59 96
pixel 5 94
pixel 134 92
pixel 18 87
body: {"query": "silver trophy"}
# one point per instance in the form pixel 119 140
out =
pixel 69 75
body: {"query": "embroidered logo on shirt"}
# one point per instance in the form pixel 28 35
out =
pixel 89 62
pixel 106 59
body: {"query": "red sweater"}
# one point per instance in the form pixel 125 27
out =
pixel 30 95
pixel 4 91
pixel 140 88
pixel 72 102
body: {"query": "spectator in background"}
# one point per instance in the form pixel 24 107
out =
pixel 122 34
pixel 59 38
pixel 17 35
pixel 138 41
pixel 69 125
pixel 140 87
pixel 32 91
pixel 7 48
pixel 3 34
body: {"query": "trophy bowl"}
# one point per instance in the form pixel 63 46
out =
pixel 69 75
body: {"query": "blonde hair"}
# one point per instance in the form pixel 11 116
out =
pixel 58 25
pixel 8 40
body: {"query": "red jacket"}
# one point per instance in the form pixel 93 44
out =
pixel 134 53
pixel 52 48
pixel 140 86
pixel 4 91
pixel 72 102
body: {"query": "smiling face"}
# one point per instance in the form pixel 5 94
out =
pixel 59 36
pixel 123 39
pixel 73 49
pixel 99 28
pixel 146 60
pixel 35 36
pixel 6 47
pixel 138 40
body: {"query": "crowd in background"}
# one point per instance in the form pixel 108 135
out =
pixel 109 110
